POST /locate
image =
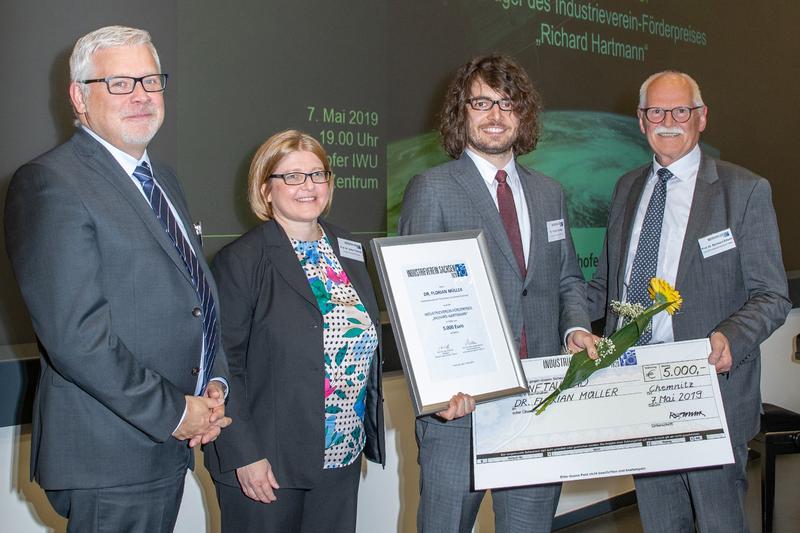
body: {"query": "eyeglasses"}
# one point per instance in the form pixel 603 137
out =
pixel 299 178
pixel 481 103
pixel 656 115
pixel 152 83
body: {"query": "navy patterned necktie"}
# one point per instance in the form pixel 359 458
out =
pixel 165 215
pixel 645 263
pixel 508 214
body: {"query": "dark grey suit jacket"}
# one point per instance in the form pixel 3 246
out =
pixel 550 299
pixel 272 331
pixel 741 292
pixel 111 303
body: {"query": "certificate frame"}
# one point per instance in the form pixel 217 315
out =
pixel 466 309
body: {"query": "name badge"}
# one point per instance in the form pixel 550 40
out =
pixel 198 230
pixel 716 243
pixel 351 249
pixel 555 230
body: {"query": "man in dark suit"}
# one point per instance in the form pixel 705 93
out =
pixel 491 115
pixel 121 300
pixel 714 236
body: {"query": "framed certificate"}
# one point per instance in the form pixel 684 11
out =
pixel 448 319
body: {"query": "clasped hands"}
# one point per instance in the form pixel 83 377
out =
pixel 205 416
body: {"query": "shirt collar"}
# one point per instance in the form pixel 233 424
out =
pixel 488 170
pixel 685 167
pixel 126 161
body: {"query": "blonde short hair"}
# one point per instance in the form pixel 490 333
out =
pixel 268 157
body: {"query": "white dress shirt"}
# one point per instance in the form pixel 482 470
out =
pixel 488 172
pixel 129 164
pixel 680 191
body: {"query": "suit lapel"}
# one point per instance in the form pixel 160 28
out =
pixel 104 164
pixel 169 184
pixel 698 216
pixel 467 176
pixel 285 261
pixel 632 204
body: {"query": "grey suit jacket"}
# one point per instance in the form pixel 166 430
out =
pixel 741 292
pixel 111 303
pixel 549 300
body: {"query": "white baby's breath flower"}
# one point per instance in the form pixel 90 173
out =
pixel 627 310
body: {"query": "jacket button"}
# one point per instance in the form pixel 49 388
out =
pixel 524 292
pixel 195 371
pixel 197 311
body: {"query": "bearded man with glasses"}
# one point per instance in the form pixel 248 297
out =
pixel 707 227
pixel 491 115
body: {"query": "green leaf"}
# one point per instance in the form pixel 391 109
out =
pixel 350 370
pixel 340 393
pixel 361 308
pixel 332 409
pixel 340 354
pixel 581 366
pixel 353 332
pixel 354 321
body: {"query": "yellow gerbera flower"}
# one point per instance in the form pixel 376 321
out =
pixel 662 291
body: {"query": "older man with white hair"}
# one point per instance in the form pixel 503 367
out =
pixel 662 222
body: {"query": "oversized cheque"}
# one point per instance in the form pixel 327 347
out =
pixel 658 408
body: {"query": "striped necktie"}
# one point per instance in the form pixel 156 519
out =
pixel 645 262
pixel 167 218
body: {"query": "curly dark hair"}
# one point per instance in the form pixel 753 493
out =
pixel 503 75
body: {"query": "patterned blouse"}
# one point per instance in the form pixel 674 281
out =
pixel 349 342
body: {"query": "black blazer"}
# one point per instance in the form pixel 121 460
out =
pixel 273 328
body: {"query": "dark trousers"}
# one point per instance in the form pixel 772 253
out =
pixel 447 503
pixel 710 499
pixel 150 507
pixel 330 507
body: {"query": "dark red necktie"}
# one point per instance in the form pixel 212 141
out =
pixel 508 214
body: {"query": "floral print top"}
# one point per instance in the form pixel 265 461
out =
pixel 349 341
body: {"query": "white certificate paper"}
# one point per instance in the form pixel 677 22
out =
pixel 448 319
pixel 658 408
pixel 448 316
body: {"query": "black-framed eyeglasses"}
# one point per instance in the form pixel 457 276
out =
pixel 152 83
pixel 299 178
pixel 481 103
pixel 656 115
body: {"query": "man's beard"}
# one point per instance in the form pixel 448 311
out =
pixel 139 137
pixel 492 148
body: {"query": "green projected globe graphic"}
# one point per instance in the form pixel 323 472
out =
pixel 585 151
